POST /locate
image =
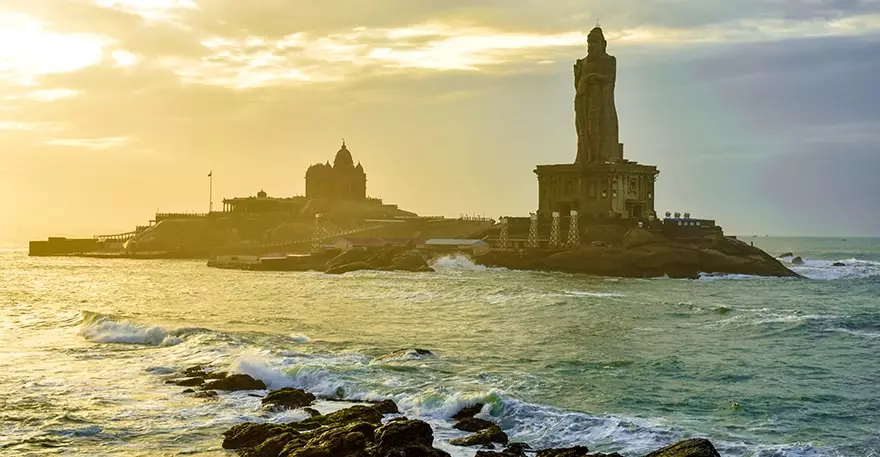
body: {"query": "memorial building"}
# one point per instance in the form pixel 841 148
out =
pixel 601 183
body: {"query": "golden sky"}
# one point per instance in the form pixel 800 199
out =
pixel 112 109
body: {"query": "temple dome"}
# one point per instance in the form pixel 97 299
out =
pixel 343 158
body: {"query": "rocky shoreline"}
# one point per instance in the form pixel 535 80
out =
pixel 636 254
pixel 369 429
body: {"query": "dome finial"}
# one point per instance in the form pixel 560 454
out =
pixel 343 142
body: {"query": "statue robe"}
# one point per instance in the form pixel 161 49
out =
pixel 595 111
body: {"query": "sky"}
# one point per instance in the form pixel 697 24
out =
pixel 761 114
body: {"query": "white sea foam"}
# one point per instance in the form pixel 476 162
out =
pixel 456 262
pixel 581 293
pixel 103 329
pixel 298 338
pixel 826 270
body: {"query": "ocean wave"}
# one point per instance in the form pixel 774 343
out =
pixel 458 262
pixel 298 338
pixel 99 328
pixel 352 376
pixel 582 293
pixel 852 268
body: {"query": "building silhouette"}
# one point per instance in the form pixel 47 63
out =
pixel 341 181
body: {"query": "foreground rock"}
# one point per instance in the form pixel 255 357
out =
pixel 687 448
pixel 359 431
pixel 288 398
pixel 640 253
pixel 354 432
pixel 235 382
pixel 484 437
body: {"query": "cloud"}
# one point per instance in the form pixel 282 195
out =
pixel 90 143
pixel 29 50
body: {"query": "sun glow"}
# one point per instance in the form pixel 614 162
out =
pixel 28 50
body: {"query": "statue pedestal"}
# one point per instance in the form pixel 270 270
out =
pixel 619 189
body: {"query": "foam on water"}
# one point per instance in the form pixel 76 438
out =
pixel 297 338
pixel 455 262
pixel 104 329
pixel 581 293
pixel 826 270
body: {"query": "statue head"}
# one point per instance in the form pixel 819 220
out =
pixel 596 43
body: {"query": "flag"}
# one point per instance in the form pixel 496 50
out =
pixel 210 173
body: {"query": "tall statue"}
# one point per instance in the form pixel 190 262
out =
pixel 595 113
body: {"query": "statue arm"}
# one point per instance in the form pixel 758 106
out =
pixel 577 74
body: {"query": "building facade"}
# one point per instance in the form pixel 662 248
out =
pixel 341 181
pixel 610 190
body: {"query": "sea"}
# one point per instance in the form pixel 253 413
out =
pixel 761 367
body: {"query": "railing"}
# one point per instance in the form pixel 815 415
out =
pixel 308 240
pixel 179 215
pixel 116 237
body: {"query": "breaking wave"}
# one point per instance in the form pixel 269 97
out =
pixel 456 262
pixel 353 377
pixel 826 270
pixel 99 328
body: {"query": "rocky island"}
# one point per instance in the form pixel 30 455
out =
pixel 608 201
pixel 634 253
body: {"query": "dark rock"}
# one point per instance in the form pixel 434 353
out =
pixel 404 353
pixel 195 370
pixel 216 375
pixel 473 424
pixel 251 435
pixel 410 261
pixel 517 448
pixel 687 448
pixel 386 407
pixel 469 411
pixel 288 398
pixel 206 394
pixel 348 267
pixel 312 412
pixel 271 447
pixel 349 256
pixel 786 254
pixel 399 433
pixel 348 440
pixel 235 382
pixel 188 391
pixel 492 434
pixel 838 264
pixel 648 255
pixel 577 451
pixel 797 261
pixel 512 450
pixel 357 413
pixel 186 382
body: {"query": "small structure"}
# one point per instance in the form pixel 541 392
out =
pixel 533 231
pixel 555 237
pixel 574 232
pixel 684 226
pixel 473 247
pixel 344 244
pixel 504 237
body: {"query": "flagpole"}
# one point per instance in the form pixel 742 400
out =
pixel 210 191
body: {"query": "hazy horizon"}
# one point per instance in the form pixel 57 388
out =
pixel 761 115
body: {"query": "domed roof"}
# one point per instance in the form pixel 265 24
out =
pixel 343 158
